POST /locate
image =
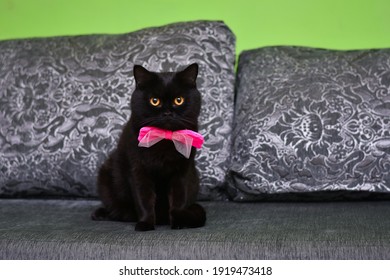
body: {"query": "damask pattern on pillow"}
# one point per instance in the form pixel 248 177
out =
pixel 310 120
pixel 64 101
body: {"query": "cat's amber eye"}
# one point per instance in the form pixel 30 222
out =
pixel 178 101
pixel 155 101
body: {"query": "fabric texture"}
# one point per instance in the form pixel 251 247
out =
pixel 64 101
pixel 60 229
pixel 310 120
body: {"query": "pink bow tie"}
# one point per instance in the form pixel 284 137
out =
pixel 182 139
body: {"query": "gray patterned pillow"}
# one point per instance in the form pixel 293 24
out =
pixel 64 100
pixel 310 120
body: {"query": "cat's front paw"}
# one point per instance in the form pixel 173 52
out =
pixel 143 226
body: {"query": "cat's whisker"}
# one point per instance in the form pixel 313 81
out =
pixel 187 121
pixel 183 121
pixel 148 121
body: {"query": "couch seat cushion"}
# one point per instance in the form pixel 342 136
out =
pixel 62 229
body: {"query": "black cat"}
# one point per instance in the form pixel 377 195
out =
pixel 155 185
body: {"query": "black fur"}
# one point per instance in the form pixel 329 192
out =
pixel 155 185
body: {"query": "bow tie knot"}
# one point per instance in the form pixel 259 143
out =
pixel 183 140
pixel 168 135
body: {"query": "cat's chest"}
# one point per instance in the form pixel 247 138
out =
pixel 164 157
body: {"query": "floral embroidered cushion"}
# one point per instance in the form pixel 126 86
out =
pixel 310 120
pixel 64 101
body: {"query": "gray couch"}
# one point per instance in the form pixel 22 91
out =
pixel 294 166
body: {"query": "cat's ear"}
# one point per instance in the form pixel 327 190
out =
pixel 141 75
pixel 189 74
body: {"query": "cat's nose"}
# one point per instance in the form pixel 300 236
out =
pixel 168 114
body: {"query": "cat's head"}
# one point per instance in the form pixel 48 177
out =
pixel 167 100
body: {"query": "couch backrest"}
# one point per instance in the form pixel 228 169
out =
pixel 309 121
pixel 64 100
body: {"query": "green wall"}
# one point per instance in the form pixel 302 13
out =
pixel 338 24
